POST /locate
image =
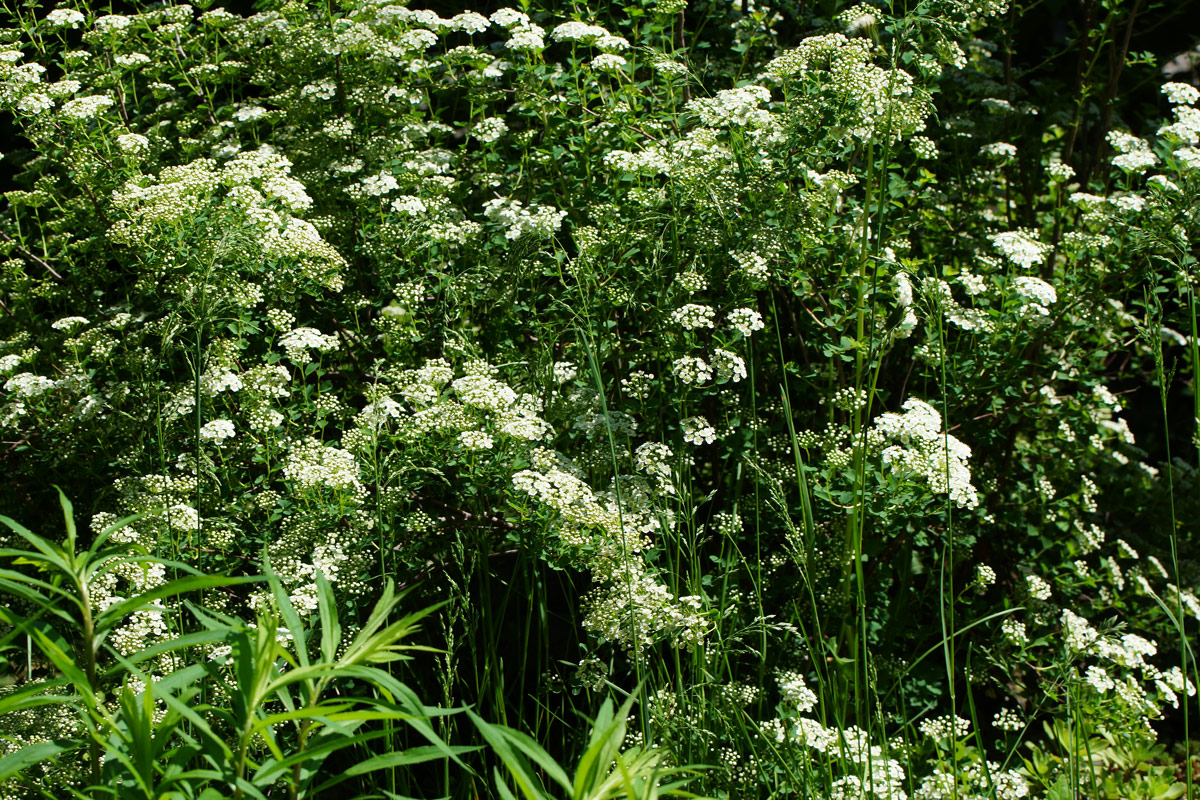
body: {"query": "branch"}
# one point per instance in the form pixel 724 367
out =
pixel 31 256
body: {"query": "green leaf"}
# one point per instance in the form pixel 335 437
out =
pixel 26 757
pixel 413 755
pixel 331 629
pixel 519 769
pixel 117 612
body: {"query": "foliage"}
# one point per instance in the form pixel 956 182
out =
pixel 817 374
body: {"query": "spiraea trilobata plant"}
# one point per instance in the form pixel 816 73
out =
pixel 772 366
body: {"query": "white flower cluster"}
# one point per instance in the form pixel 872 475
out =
pixel 653 458
pixel 640 611
pixel 564 371
pixel 133 144
pixel 607 62
pixel 298 342
pixel 1135 155
pixel 68 324
pixel 745 321
pixel 738 107
pixel 64 18
pixel 1037 587
pixel 1060 171
pixel 869 774
pixel 1038 294
pixel 25 385
pixel 913 443
pixel 728 366
pixel 697 431
pixel 970 780
pixel 589 34
pixel 691 370
pixel 879 104
pixel 795 691
pixel 377 185
pixel 943 728
pixel 475 440
pixel 630 607
pixel 538 221
pixel 693 316
pixel 1020 247
pixel 490 130
pixel 85 108
pixel 310 464
pixel 217 431
pixel 753 265
pixel 1183 93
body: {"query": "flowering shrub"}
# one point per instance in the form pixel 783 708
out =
pixel 792 370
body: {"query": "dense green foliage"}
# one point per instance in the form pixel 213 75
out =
pixel 740 397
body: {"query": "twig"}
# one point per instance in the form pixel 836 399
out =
pixel 31 256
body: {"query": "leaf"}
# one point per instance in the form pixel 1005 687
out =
pixel 413 755
pixel 14 763
pixel 331 629
pixel 517 763
pixel 283 604
pixel 190 583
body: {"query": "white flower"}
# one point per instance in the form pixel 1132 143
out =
pixel 469 22
pixel 738 107
pixel 409 205
pixel 1060 171
pixel 607 62
pixel 972 284
pixel 1035 290
pixel 26 384
pixel 217 431
pixel 311 464
pixel 299 341
pixel 697 431
pixel 64 18
pixel 377 185
pixel 131 59
pixel 1014 632
pixel 507 18
pixel 728 366
pixel 490 129
pixel 1020 247
pixel 527 38
pixel 1135 155
pixel 564 371
pixel 914 443
pixel 133 144
pixel 1128 202
pixel 68 324
pixel 112 23
pixel 693 316
pixel 904 291
pixel 1001 150
pixel 249 113
pixel 796 693
pixel 1037 587
pixel 475 440
pixel 35 103
pixel 746 321
pixel 1099 680
pixel 82 108
pixel 1181 93
pixel 653 458
pixel 538 221
pixel 577 32
pixel 692 371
